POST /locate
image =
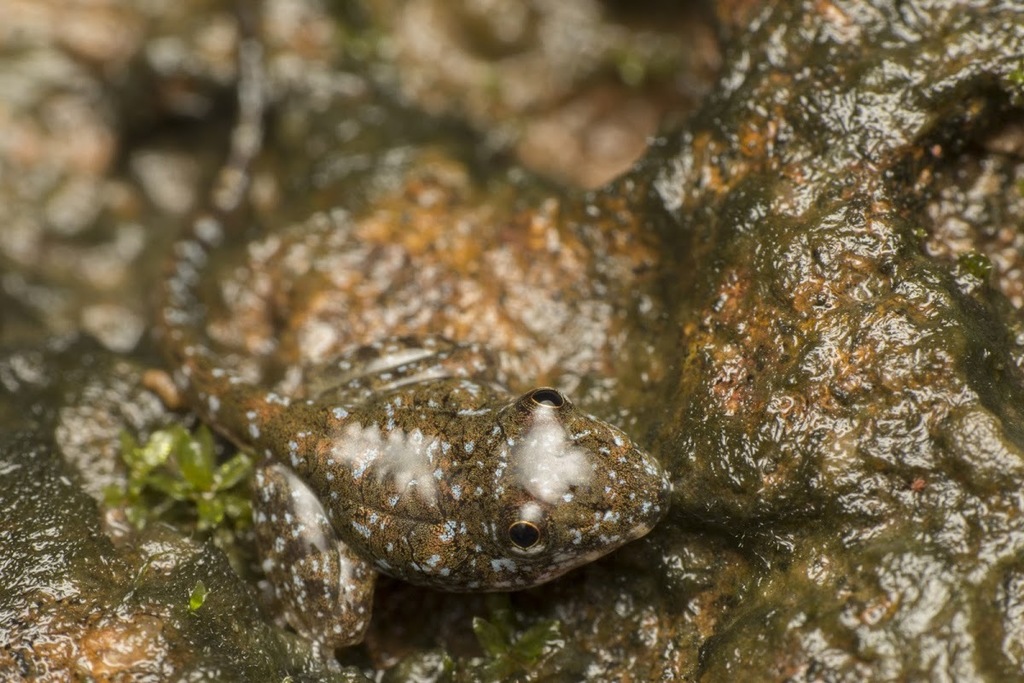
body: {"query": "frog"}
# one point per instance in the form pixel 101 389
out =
pixel 407 456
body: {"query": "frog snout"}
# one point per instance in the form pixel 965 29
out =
pixel 655 501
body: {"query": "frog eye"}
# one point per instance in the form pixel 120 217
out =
pixel 546 396
pixel 524 534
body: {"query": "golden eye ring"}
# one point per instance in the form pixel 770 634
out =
pixel 547 397
pixel 524 534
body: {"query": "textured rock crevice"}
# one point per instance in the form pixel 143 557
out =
pixel 847 396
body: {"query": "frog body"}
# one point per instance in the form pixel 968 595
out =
pixel 407 457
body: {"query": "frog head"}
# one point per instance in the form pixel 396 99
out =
pixel 568 488
pixel 466 489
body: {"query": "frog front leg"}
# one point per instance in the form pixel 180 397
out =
pixel 325 590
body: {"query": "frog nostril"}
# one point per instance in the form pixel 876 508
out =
pixel 548 397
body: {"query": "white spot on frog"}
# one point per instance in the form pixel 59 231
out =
pixel 547 464
pixel 254 430
pixel 395 455
pixel 448 535
pixel 503 564
pixel 274 398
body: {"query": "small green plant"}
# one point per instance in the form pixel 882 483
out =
pixel 975 263
pixel 1016 79
pixel 197 597
pixel 509 652
pixel 174 477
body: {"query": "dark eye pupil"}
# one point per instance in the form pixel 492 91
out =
pixel 548 397
pixel 524 534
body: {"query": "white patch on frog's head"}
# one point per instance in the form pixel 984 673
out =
pixel 547 463
pixel 402 457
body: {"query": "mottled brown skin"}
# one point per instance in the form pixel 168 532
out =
pixel 550 301
pixel 406 457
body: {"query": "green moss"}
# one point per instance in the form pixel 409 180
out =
pixel 975 263
pixel 174 477
pixel 512 652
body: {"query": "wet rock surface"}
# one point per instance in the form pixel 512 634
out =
pixel 814 322
pixel 852 400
